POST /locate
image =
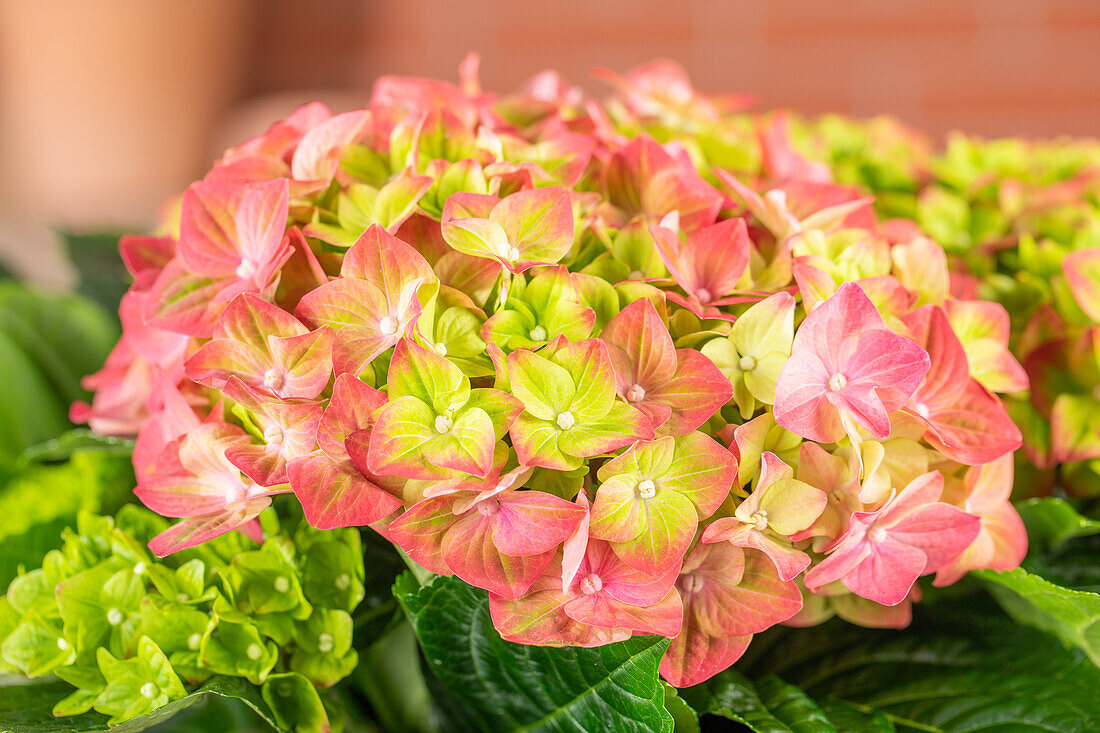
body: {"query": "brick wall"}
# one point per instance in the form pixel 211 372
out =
pixel 997 67
pixel 108 107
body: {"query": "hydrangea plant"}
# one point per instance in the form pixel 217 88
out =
pixel 597 369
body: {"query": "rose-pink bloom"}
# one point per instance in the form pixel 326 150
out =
pixel 846 363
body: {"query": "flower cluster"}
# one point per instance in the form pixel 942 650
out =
pixel 626 386
pixel 132 633
pixel 1021 221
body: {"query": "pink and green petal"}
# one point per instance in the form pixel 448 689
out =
pixel 536 444
pixel 196 530
pixel 694 656
pixel 545 388
pixel 397 440
pixel 593 376
pixel 1082 271
pixel 336 495
pixel 465 445
pixel 537 222
pixel 533 522
pixel 620 427
pixel 420 530
pixel 353 406
pixel 422 373
pixel 469 552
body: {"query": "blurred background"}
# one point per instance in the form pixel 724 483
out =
pixel 109 106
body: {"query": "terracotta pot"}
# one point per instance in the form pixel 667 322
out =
pixel 107 106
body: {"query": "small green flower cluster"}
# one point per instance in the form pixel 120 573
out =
pixel 132 633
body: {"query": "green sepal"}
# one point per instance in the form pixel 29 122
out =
pixel 295 704
pixel 237 649
pixel 324 654
pixel 138 685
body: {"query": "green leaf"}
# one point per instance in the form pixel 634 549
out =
pixel 93 479
pixel 506 686
pixel 27 708
pixel 65 445
pixel 769 706
pixel 66 336
pixel 684 718
pixel 30 409
pixel 1071 615
pixel 1074 565
pixel 390 676
pixel 101 274
pixel 1051 521
pixel 958 669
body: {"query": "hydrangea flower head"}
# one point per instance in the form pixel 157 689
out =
pixel 619 387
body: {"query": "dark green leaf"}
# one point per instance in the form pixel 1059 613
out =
pixel 847 717
pixel 685 719
pixel 66 336
pixel 31 411
pixel 515 687
pixel 102 276
pixel 1074 565
pixel 955 671
pixel 768 706
pixel 1051 521
pixel 390 677
pixel 1071 615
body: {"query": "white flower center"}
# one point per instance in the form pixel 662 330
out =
pixel 513 253
pixel 488 507
pixel 441 348
pixel 63 645
pixel 181 597
pixel 273 435
pixel 747 363
pixel 837 382
pixel 876 535
pixel 692 583
pixel 922 410
pixel 636 393
pixel 282 585
pixel 325 643
pixel 193 642
pixel 114 617
pixel 246 269
pixel 590 584
pixel 388 326
pixel 443 424
pixel 760 520
pixel 703 295
pixel 254 651
pixel 273 379
pixel 343 581
pixel 778 197
pixel 538 333
pixel 149 690
pixel 139 568
pixel 647 489
pixel 637 275
pixel 566 420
